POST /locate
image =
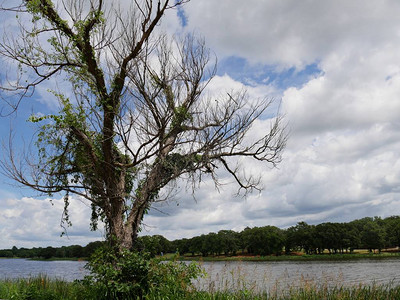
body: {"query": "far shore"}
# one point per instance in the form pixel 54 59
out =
pixel 298 257
pixel 295 256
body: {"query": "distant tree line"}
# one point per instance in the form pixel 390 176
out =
pixel 367 233
pixel 74 251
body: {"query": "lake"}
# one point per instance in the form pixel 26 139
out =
pixel 23 268
pixel 271 276
pixel 258 276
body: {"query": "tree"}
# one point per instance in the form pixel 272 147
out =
pixel 303 236
pixel 195 245
pixel 373 236
pixel 392 227
pixel 265 240
pixel 181 246
pixel 92 247
pixel 330 236
pixel 135 118
pixel 228 241
pixel 47 252
pixel 351 237
pixel 291 242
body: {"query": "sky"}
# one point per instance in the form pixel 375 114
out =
pixel 335 68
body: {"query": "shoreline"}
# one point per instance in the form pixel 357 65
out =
pixel 288 258
pixel 257 258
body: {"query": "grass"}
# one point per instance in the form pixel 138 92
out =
pixel 323 257
pixel 43 288
pixel 60 259
pixel 310 293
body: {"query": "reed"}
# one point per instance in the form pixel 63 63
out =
pixel 43 288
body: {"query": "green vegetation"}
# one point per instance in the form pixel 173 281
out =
pixel 373 234
pixel 318 242
pixel 73 252
pixel 115 275
pixel 127 275
pixel 295 258
pixel 42 288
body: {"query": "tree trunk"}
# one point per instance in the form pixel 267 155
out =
pixel 124 231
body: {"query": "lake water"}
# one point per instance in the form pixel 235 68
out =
pixel 258 276
pixel 278 276
pixel 22 268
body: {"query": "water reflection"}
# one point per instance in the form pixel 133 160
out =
pixel 275 276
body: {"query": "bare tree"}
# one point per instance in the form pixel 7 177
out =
pixel 136 117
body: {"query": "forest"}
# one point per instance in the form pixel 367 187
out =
pixel 369 233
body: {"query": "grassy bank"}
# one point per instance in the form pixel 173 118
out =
pixel 39 288
pixel 61 259
pixel 42 288
pixel 321 257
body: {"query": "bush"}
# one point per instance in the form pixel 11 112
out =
pixel 172 279
pixel 133 275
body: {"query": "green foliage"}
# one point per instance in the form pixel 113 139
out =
pixel 119 275
pixel 64 252
pixel 43 288
pixel 172 280
pixel 175 163
pixel 392 227
pixel 181 114
pixel 265 240
pixel 68 159
pixel 130 275
pixel 154 245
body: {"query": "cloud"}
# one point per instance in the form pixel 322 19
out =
pixel 30 222
pixel 356 90
pixel 292 33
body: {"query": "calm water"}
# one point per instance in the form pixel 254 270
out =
pixel 259 276
pixel 270 276
pixel 22 268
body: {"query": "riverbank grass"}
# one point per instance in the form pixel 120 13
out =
pixel 40 287
pixel 43 288
pixel 296 258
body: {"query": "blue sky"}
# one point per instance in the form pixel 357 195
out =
pixel 335 67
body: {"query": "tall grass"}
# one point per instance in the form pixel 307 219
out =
pixel 310 293
pixel 43 288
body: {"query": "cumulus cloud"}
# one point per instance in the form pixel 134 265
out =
pixel 292 33
pixel 32 222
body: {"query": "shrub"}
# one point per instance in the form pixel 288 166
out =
pixel 172 279
pixel 133 275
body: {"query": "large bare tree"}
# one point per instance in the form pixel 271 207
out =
pixel 135 118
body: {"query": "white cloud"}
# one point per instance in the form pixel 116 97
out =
pixel 292 33
pixel 30 222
